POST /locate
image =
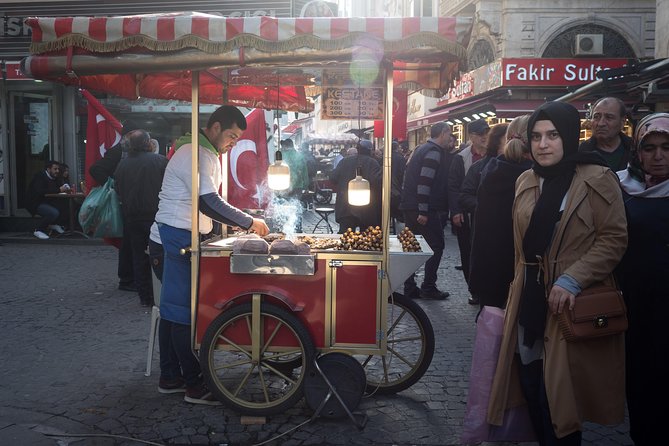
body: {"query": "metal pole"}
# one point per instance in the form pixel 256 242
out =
pixel 194 196
pixel 385 200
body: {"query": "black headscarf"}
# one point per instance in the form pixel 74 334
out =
pixel 546 214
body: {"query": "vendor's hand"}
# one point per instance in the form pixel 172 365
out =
pixel 560 299
pixel 259 227
pixel 422 220
pixel 457 220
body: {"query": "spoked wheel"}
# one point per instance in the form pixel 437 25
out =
pixel 410 348
pixel 251 378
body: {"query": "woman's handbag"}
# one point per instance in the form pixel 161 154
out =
pixel 598 311
pixel 100 213
pixel 475 429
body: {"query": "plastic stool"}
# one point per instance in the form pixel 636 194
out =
pixel 324 213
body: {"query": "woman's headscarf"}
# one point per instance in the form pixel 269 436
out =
pixel 633 179
pixel 546 214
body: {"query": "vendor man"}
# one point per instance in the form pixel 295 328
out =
pixel 179 367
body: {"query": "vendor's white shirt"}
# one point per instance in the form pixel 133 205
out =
pixel 174 208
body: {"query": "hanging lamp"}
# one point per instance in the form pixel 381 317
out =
pixel 358 190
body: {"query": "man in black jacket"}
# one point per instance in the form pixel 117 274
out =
pixel 101 171
pixel 362 217
pixel 608 139
pixel 424 200
pixel 138 178
pixel 46 182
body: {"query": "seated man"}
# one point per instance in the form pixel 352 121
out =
pixel 46 182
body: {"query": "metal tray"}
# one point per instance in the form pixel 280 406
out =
pixel 300 265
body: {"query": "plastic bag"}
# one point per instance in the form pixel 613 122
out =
pixel 517 425
pixel 100 213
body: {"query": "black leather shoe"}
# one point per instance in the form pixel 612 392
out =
pixel 458 267
pixel 434 294
pixel 127 287
pixel 473 300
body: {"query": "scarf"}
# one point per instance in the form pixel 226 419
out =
pixel 203 141
pixel 546 213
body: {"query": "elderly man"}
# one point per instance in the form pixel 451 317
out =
pixel 476 150
pixel 424 200
pixel 608 119
pixel 138 179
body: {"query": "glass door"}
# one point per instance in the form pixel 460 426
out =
pixel 30 140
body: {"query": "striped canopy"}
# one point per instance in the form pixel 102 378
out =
pixel 153 55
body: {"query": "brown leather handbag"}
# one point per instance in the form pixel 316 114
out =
pixel 598 311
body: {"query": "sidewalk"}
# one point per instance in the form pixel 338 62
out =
pixel 74 355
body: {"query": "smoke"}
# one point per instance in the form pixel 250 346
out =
pixel 285 215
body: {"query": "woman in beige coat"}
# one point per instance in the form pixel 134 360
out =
pixel 569 233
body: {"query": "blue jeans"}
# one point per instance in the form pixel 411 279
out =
pixel 49 215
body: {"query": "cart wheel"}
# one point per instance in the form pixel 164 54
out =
pixel 410 348
pixel 244 384
pixel 323 197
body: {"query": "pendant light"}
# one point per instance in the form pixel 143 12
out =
pixel 358 190
pixel 278 174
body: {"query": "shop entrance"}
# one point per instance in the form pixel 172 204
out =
pixel 30 140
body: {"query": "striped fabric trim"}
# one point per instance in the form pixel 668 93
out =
pixel 169 32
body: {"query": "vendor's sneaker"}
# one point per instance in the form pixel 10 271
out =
pixel 41 235
pixel 176 385
pixel 57 228
pixel 200 395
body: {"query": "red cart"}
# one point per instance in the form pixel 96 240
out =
pixel 272 328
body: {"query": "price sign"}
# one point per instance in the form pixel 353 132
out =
pixel 352 103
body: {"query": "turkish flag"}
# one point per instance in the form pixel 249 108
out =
pixel 400 99
pixel 103 132
pixel 247 165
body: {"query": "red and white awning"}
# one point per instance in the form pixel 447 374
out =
pixel 118 54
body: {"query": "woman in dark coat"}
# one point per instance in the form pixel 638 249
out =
pixel 492 241
pixel 643 278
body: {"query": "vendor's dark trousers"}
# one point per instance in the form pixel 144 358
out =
pixel 433 232
pixel 534 390
pixel 136 232
pixel 176 356
pixel 126 275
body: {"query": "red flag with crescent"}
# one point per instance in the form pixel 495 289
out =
pixel 103 132
pixel 400 98
pixel 247 165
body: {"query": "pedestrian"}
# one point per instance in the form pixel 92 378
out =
pixel 467 199
pixel 347 215
pixel 101 171
pixel 644 272
pixel 424 200
pixel 608 139
pixel 138 179
pixel 45 182
pixel 569 233
pixel 462 161
pixel 179 367
pixel 399 166
pixel 491 263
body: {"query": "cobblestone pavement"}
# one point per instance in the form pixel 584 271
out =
pixel 73 359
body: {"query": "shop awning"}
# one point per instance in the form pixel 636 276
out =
pixel 144 55
pixel 468 111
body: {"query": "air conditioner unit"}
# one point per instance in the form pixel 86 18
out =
pixel 589 45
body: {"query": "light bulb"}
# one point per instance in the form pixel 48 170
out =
pixel 278 174
pixel 358 190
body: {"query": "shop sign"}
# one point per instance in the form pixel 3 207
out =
pixel 475 82
pixel 13 71
pixel 536 72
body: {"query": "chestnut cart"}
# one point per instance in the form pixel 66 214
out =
pixel 270 329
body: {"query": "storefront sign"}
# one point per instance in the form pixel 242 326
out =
pixel 13 71
pixel 475 82
pixel 554 72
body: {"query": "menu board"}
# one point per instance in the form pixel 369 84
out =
pixel 343 99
